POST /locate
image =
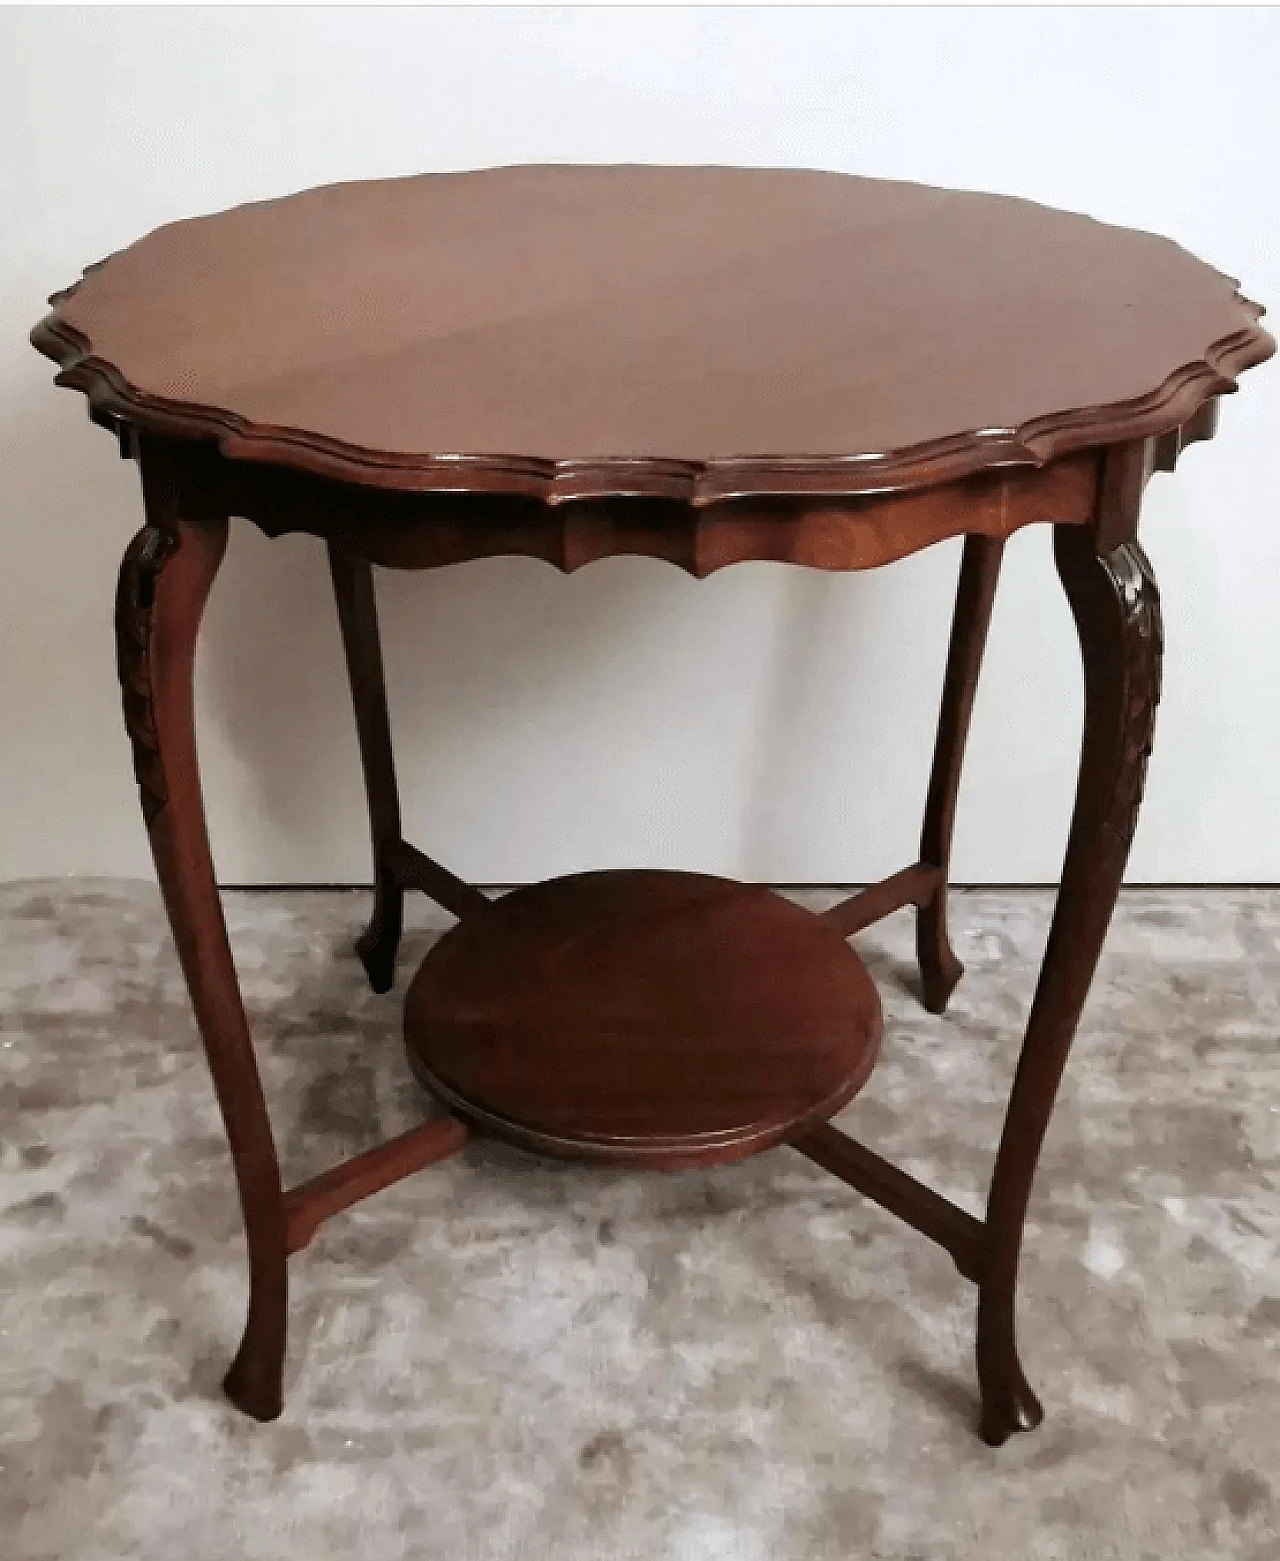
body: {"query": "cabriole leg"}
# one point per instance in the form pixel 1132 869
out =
pixel 358 617
pixel 164 582
pixel 979 571
pixel 1117 612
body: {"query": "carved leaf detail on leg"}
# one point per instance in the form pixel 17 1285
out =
pixel 1142 635
pixel 140 570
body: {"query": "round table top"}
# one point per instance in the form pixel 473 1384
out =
pixel 620 329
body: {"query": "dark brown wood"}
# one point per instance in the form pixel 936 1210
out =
pixel 698 365
pixel 658 1019
pixel 412 870
pixel 358 617
pixel 860 531
pixel 397 866
pixel 1117 611
pixel 915 885
pixel 979 572
pixel 897 1191
pixel 687 333
pixel 307 1206
pixel 1202 425
pixel 164 581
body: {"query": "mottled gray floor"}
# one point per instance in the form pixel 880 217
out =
pixel 503 1358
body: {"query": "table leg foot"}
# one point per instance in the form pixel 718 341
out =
pixel 940 970
pixel 1008 1403
pixel 254 1380
pixel 379 943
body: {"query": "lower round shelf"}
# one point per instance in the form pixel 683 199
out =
pixel 660 1019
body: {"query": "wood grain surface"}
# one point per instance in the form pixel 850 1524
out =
pixel 713 365
pixel 658 1018
pixel 698 333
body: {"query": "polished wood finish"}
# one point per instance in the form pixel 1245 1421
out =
pixel 703 366
pixel 308 1206
pixel 979 571
pixel 693 334
pixel 656 1019
pixel 855 531
pixel 164 582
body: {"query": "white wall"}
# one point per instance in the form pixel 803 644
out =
pixel 769 723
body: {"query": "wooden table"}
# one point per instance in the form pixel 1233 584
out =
pixel 702 365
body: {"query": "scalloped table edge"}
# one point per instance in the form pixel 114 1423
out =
pixel 116 404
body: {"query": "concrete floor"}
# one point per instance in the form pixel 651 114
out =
pixel 505 1358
